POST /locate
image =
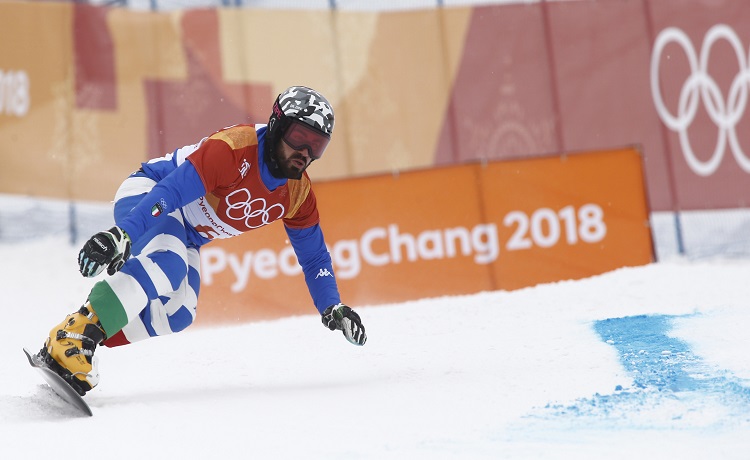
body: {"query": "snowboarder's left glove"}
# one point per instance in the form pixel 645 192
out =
pixel 105 249
pixel 347 320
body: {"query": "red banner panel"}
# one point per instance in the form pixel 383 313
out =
pixel 671 76
pixel 700 80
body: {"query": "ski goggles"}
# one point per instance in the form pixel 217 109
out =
pixel 301 136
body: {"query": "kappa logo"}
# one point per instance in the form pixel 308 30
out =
pixel 323 272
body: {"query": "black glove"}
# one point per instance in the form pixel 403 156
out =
pixel 105 249
pixel 347 320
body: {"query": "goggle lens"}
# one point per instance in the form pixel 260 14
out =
pixel 301 136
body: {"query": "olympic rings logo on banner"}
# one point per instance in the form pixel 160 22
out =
pixel 700 86
pixel 253 212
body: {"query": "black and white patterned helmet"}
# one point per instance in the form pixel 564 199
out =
pixel 306 105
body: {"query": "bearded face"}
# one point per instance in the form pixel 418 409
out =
pixel 292 162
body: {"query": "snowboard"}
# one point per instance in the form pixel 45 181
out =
pixel 58 384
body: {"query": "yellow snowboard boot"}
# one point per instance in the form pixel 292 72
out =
pixel 69 349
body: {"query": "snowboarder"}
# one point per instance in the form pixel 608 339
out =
pixel 238 179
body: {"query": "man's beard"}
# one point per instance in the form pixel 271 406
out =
pixel 290 170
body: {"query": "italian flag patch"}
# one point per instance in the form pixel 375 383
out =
pixel 156 210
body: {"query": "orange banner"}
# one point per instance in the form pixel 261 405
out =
pixel 445 231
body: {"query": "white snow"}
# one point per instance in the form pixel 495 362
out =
pixel 519 375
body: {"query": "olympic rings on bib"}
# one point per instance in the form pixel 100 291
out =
pixel 254 212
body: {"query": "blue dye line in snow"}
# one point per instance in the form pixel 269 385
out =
pixel 655 359
pixel 668 364
pixel 663 369
pixel 659 361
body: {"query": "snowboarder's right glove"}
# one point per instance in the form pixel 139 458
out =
pixel 105 249
pixel 347 320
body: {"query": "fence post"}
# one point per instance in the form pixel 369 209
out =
pixel 72 225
